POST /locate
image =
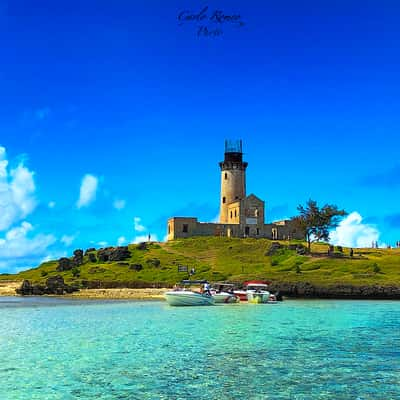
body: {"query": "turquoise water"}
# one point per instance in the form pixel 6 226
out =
pixel 52 349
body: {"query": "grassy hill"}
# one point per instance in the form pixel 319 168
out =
pixel 230 259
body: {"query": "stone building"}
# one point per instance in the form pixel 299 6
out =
pixel 240 215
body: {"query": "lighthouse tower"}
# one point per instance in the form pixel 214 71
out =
pixel 233 177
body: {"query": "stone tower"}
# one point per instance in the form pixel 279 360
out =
pixel 233 177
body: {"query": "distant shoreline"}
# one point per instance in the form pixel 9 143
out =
pixel 297 290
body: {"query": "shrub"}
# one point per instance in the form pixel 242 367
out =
pixel 376 268
pixel 298 269
pixel 153 262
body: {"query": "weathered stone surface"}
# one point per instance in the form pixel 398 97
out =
pixel 136 267
pixel 87 251
pixel 78 257
pixel 339 291
pixel 274 248
pixel 54 285
pixel 113 254
pixel 64 264
pixel 119 253
pixel 142 246
pixel 25 289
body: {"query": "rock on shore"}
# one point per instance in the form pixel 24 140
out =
pixel 338 291
pixel 54 285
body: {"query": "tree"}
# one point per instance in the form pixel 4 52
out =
pixel 316 222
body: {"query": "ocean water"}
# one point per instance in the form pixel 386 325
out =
pixel 325 349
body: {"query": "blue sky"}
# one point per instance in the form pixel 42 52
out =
pixel 114 112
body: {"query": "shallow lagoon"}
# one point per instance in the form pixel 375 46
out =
pixel 325 349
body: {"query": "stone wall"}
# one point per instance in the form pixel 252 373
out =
pixel 183 227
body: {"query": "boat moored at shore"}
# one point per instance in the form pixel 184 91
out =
pixel 188 298
pixel 181 295
pixel 254 292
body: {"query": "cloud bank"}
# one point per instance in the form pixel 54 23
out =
pixel 88 190
pixel 17 189
pixel 19 248
pixel 352 232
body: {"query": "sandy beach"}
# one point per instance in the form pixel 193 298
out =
pixel 124 293
pixel 7 288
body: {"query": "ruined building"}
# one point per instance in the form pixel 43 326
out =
pixel 240 215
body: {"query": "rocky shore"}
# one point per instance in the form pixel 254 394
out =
pixel 56 286
pixel 338 291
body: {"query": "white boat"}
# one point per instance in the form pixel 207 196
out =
pixel 224 298
pixel 254 292
pixel 223 293
pixel 258 296
pixel 188 298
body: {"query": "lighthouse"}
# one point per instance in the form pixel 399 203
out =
pixel 233 177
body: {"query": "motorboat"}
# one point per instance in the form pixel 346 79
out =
pixel 272 299
pixel 223 293
pixel 188 298
pixel 185 297
pixel 254 292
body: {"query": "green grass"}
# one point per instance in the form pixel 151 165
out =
pixel 232 259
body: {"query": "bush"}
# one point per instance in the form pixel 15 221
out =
pixel 142 246
pixel 44 273
pixel 376 268
pixel 298 269
pixel 75 272
pixel 153 262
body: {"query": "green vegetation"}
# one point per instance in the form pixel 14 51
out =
pixel 316 222
pixel 216 259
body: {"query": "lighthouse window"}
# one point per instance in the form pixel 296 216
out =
pixel 224 200
pixel 226 175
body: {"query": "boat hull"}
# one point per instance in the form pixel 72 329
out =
pixel 186 298
pixel 258 298
pixel 225 298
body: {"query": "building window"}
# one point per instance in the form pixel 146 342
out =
pixel 226 175
pixel 247 231
pixel 235 214
pixel 224 200
pixel 185 228
pixel 231 214
pixel 258 231
pixel 169 229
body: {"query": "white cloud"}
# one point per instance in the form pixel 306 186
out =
pixel 67 239
pixel 103 243
pixel 51 204
pixel 351 232
pixel 137 225
pixel 88 190
pixel 121 241
pixel 17 189
pixel 119 204
pixel 16 243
